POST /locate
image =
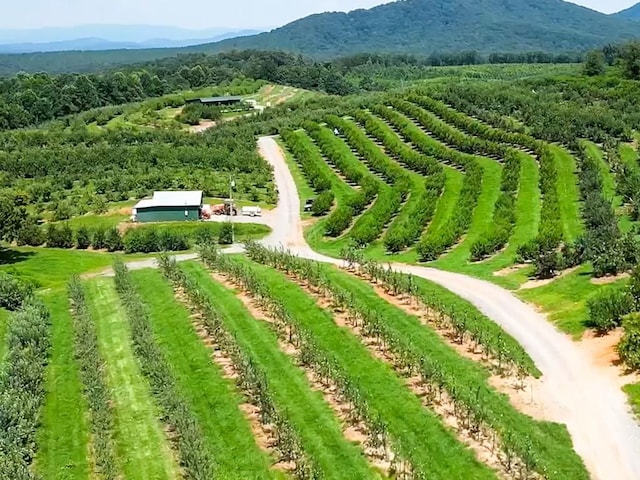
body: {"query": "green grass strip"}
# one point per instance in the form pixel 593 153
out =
pixel 528 206
pixel 482 215
pixel 318 429
pixel 423 438
pixel 548 443
pixel 141 444
pixel 212 398
pixel 447 203
pixel 63 435
pixel 568 196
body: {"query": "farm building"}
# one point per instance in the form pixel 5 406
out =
pixel 169 207
pixel 216 101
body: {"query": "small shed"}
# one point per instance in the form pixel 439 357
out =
pixel 216 101
pixel 169 207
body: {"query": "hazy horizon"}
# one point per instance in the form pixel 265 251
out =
pixel 196 14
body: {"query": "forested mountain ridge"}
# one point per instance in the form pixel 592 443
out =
pixel 427 26
pixel 420 27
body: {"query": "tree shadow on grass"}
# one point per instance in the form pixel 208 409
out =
pixel 10 257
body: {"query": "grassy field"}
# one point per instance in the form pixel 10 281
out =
pixel 318 429
pixel 213 398
pixel 51 268
pixel 568 195
pixel 63 437
pixel 142 446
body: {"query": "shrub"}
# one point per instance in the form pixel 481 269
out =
pixel 31 234
pixel 323 203
pixel 113 240
pixel 59 236
pixel 607 307
pixel 547 264
pixel 13 292
pixel 83 238
pixel 98 238
pixel 629 346
pixel 225 236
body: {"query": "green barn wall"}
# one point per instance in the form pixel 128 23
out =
pixel 168 214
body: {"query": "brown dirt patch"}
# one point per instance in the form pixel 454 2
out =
pixel 203 126
pixel 602 350
pixel 509 270
pixel 610 279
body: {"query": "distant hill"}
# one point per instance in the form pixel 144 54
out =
pixel 418 27
pixel 97 44
pixel 426 26
pixel 631 13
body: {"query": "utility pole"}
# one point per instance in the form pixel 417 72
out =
pixel 232 184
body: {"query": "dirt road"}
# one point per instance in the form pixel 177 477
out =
pixel 574 390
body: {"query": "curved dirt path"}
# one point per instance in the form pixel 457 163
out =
pixel 574 390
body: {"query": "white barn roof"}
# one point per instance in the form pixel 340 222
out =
pixel 172 199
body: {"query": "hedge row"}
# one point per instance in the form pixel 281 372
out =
pixel 404 234
pixel 543 247
pixel 194 456
pixel 143 239
pixel 603 240
pixel 307 157
pixel 22 388
pixel 399 234
pixel 504 215
pixel 472 125
pixel 339 154
pixel 452 136
pixel 437 243
pixel 96 391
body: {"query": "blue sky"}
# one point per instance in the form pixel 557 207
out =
pixel 192 13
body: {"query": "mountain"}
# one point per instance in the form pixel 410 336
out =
pixel 418 27
pixel 631 13
pixel 97 44
pixel 110 33
pixel 426 26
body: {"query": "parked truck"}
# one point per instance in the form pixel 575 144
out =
pixel 251 211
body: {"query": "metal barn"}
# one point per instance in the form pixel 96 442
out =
pixel 169 207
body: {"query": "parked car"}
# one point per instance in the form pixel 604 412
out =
pixel 308 205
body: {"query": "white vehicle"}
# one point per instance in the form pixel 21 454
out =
pixel 251 211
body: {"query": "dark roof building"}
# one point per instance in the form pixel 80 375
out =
pixel 228 100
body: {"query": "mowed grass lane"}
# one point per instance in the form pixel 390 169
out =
pixel 482 215
pixel 63 436
pixel 143 450
pixel 319 431
pixel 212 398
pixel 568 195
pixel 418 431
pixel 549 443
